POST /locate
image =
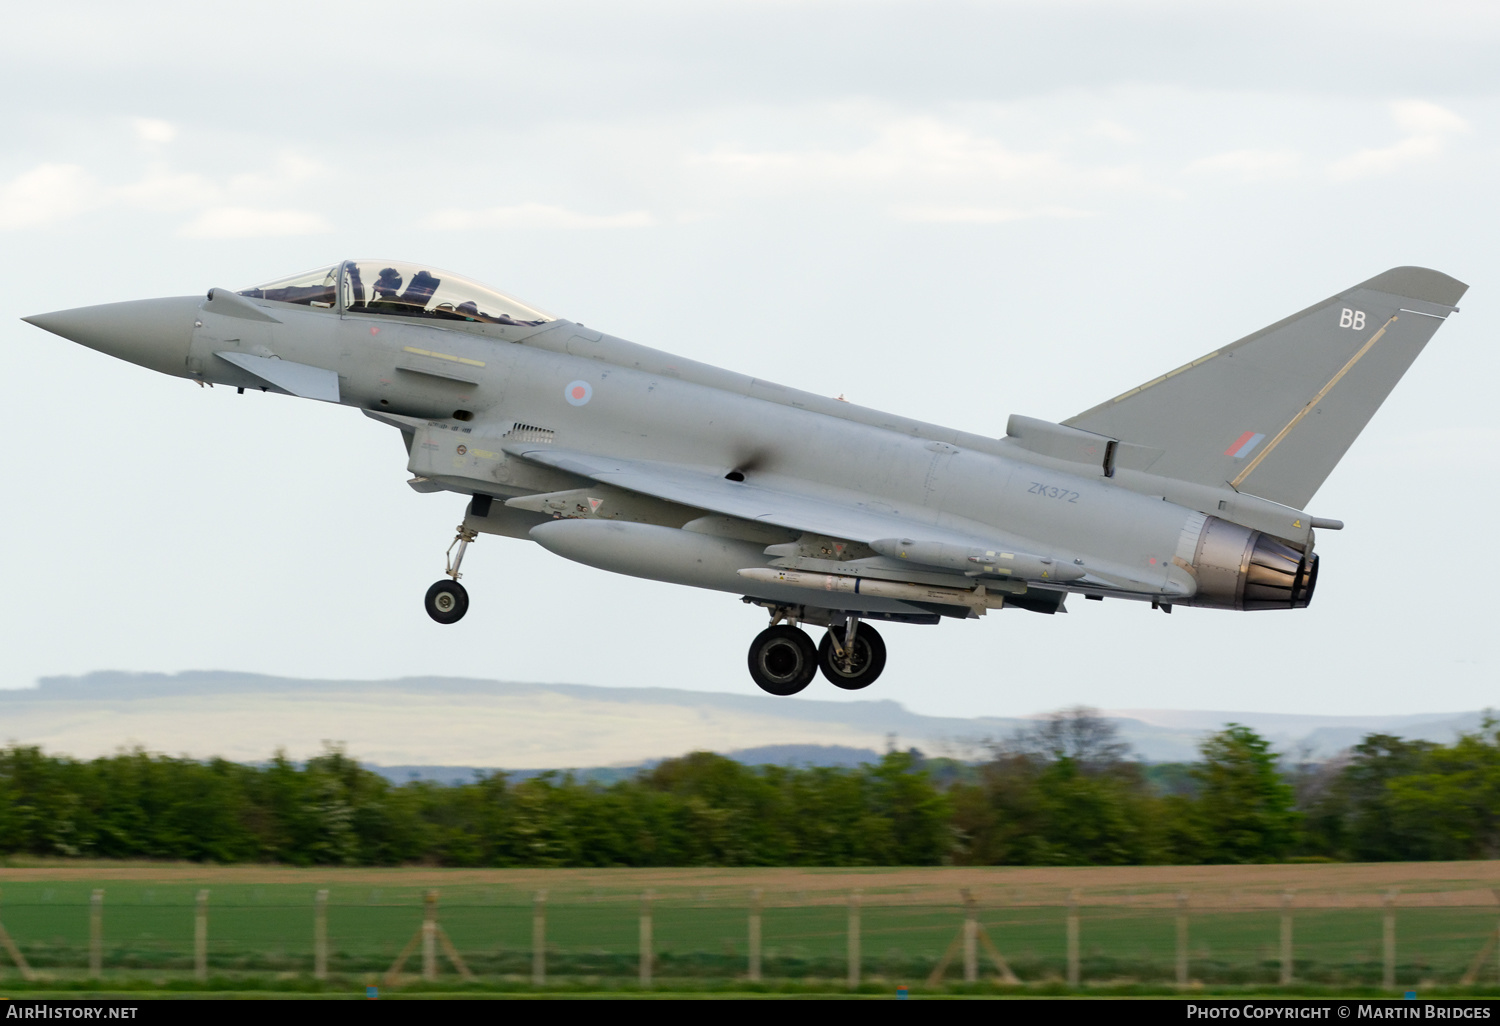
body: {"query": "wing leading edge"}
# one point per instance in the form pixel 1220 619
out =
pixel 833 514
pixel 790 503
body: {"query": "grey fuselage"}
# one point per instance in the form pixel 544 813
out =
pixel 650 405
pixel 481 407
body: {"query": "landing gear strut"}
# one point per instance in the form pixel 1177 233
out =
pixel 448 601
pixel 855 663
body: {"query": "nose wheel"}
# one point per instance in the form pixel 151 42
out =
pixel 783 660
pixel 448 601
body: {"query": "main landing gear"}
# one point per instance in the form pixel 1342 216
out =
pixel 783 659
pixel 448 601
pixel 852 664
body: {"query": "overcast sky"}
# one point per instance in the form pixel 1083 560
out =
pixel 953 211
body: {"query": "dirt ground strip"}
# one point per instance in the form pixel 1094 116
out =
pixel 1319 885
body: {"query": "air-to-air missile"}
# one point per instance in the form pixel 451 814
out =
pixel 1188 490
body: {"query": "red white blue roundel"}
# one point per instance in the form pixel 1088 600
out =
pixel 578 392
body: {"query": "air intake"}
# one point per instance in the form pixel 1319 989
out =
pixel 529 433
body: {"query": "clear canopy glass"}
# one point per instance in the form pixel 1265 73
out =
pixel 317 287
pixel 415 290
pixel 401 289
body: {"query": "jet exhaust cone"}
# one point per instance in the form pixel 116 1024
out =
pixel 1277 576
pixel 1238 568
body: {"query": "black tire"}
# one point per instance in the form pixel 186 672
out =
pixel 447 602
pixel 783 660
pixel 869 658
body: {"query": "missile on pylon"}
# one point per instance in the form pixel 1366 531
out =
pixel 976 599
pixel 976 561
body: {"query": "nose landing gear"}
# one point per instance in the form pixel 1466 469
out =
pixel 448 601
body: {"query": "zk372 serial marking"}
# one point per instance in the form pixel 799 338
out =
pixel 1052 492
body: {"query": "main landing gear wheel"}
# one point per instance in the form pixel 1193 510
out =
pixel 447 602
pixel 852 670
pixel 783 660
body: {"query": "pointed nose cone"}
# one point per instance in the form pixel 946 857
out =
pixel 155 333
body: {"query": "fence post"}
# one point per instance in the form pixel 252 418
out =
pixel 429 938
pixel 755 935
pixel 854 956
pixel 1388 972
pixel 539 939
pixel 1286 938
pixel 96 933
pixel 320 935
pixel 1491 943
pixel 1073 974
pixel 200 938
pixel 1182 939
pixel 971 938
pixel 647 953
pixel 14 952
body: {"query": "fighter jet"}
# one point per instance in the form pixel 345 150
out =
pixel 1190 489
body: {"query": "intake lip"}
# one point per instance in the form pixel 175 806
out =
pixel 154 333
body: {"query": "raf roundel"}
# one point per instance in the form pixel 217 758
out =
pixel 578 392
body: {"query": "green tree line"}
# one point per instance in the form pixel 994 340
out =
pixel 1064 793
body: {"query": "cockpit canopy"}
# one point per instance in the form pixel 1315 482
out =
pixel 398 289
pixel 309 288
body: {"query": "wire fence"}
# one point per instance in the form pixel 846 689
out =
pixel 389 939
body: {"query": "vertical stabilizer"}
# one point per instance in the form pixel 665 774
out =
pixel 1273 413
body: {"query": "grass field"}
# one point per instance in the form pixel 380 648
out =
pixel 261 922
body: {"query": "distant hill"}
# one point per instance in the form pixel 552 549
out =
pixel 422 722
pixel 765 755
pixel 1317 736
pixel 804 755
pixel 444 727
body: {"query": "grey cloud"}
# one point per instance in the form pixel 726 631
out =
pixel 525 64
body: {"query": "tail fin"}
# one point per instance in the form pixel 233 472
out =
pixel 1273 413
